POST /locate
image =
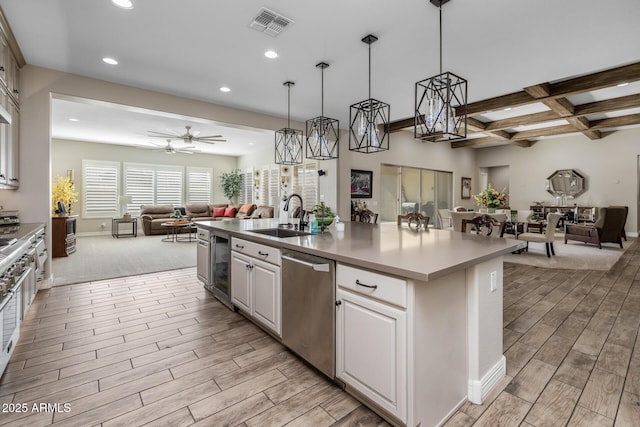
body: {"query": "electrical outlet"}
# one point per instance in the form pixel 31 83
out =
pixel 494 280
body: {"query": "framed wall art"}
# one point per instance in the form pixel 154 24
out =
pixel 465 188
pixel 361 183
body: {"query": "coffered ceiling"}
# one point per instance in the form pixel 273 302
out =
pixel 594 105
pixel 514 53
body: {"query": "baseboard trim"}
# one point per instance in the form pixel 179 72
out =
pixel 478 390
pixel 93 233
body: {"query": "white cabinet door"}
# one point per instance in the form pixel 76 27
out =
pixel 256 290
pixel 371 353
pixel 241 281
pixel 266 295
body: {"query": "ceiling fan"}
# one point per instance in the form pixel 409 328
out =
pixel 188 137
pixel 170 149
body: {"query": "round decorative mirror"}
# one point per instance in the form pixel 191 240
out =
pixel 566 182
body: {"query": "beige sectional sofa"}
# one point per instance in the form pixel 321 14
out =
pixel 153 216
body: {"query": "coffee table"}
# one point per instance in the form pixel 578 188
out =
pixel 175 228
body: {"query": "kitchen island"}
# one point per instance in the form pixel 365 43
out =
pixel 418 314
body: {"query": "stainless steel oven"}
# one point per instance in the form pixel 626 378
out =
pixel 11 283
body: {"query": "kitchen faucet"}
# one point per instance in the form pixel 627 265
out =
pixel 301 215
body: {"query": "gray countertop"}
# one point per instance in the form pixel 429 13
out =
pixel 423 255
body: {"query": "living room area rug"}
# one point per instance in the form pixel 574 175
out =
pixel 104 257
pixel 572 255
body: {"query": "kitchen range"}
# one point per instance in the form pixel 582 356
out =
pixel 410 330
pixel 22 257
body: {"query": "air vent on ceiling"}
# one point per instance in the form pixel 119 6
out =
pixel 269 22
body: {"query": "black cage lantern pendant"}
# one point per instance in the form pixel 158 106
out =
pixel 369 119
pixel 289 141
pixel 441 103
pixel 323 136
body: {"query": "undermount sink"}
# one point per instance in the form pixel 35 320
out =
pixel 280 232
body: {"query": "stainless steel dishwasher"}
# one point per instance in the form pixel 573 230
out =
pixel 308 309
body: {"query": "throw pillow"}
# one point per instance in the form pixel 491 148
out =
pixel 230 212
pixel 218 212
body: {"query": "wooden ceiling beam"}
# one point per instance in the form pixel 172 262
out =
pixel 583 125
pixel 613 104
pixel 488 140
pixel 562 106
pixel 628 120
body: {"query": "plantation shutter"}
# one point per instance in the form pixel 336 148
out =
pixel 169 184
pixel 139 183
pixel 100 188
pixel 305 183
pixel 270 185
pixel 199 185
pixel 246 189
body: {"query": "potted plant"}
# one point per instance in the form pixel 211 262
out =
pixel 324 215
pixel 63 193
pixel 231 183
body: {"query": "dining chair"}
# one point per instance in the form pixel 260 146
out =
pixel 369 216
pixel 457 217
pixel 414 220
pixel 444 216
pixel 547 237
pixel 484 225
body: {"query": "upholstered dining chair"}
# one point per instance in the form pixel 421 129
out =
pixel 457 217
pixel 485 225
pixel 444 216
pixel 368 216
pixel 546 238
pixel 608 228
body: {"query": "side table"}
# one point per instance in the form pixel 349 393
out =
pixel 115 227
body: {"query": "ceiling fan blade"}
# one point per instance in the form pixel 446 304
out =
pixel 211 141
pixel 162 134
pixel 209 137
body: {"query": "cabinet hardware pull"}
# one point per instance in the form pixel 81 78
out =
pixel 338 303
pixel 365 285
pixel 1 68
pixel 239 246
pixel 263 253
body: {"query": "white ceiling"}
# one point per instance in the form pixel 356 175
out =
pixel 192 47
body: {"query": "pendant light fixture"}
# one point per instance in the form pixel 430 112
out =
pixel 289 141
pixel 322 132
pixel 369 119
pixel 441 102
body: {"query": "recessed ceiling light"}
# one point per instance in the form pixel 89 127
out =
pixel 109 61
pixel 271 54
pixel 623 84
pixel 125 4
pixel 251 143
pixel 225 89
pixel 72 119
pixel 507 109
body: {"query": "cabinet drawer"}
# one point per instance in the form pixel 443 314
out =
pixel 256 250
pixel 384 288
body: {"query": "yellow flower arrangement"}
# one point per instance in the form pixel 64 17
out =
pixel 63 190
pixel 490 198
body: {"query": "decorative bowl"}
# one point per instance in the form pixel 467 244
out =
pixel 324 222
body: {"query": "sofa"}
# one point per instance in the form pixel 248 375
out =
pixel 153 216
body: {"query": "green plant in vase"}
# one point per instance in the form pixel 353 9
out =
pixel 231 183
pixel 324 215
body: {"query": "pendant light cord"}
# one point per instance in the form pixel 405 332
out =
pixel 289 106
pixel 322 91
pixel 440 37
pixel 369 70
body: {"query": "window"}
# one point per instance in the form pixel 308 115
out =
pixel 149 184
pixel 199 185
pixel 306 184
pixel 100 188
pixel 246 190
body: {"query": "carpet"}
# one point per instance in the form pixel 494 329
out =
pixel 573 255
pixel 103 257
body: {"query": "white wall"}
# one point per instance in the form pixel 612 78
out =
pixel 609 165
pixel 405 151
pixel 69 155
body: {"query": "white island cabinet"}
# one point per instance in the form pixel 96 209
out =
pixel 411 348
pixel 255 282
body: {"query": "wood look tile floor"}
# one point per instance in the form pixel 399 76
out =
pixel 159 350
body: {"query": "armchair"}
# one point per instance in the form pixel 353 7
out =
pixel 608 228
